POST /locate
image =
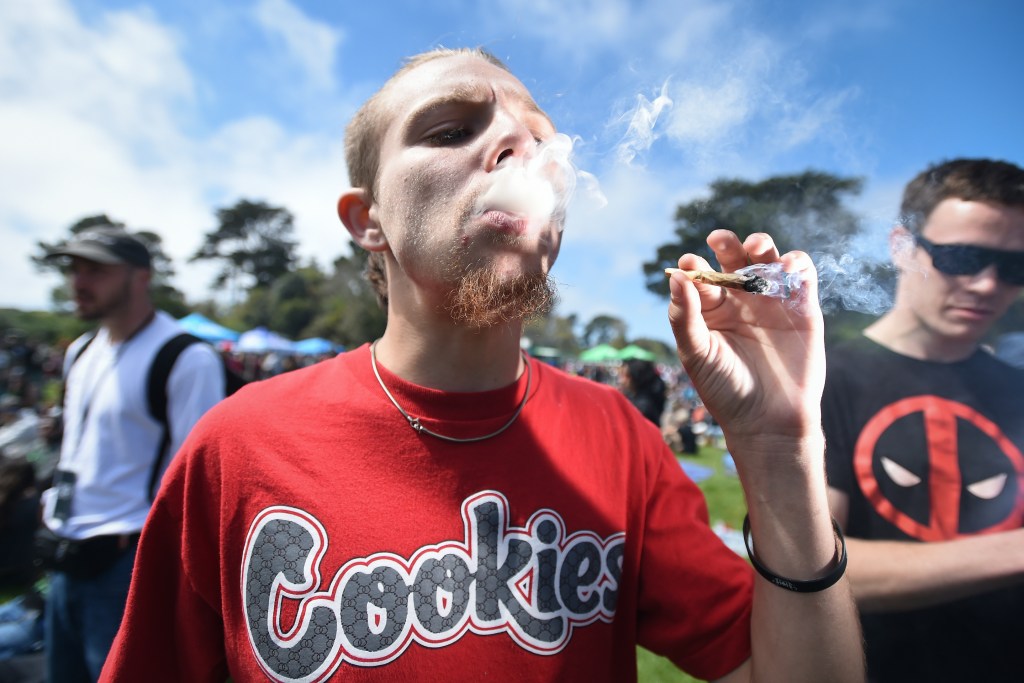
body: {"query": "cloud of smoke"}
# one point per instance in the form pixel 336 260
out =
pixel 640 134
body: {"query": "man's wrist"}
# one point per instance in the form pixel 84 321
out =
pixel 777 450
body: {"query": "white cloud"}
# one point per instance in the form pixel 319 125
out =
pixel 708 113
pixel 574 27
pixel 832 22
pixel 580 29
pixel 98 112
pixel 311 45
pixel 125 73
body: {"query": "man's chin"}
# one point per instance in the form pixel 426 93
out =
pixel 482 299
pixel 87 313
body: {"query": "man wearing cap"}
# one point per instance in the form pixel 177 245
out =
pixel 113 452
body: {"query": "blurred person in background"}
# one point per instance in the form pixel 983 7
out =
pixel 644 387
pixel 113 451
pixel 925 429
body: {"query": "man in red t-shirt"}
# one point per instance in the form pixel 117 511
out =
pixel 439 505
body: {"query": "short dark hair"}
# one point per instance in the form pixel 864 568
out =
pixel 973 180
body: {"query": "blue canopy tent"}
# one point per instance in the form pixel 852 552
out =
pixel 316 346
pixel 207 330
pixel 262 340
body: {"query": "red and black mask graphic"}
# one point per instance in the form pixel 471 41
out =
pixel 937 469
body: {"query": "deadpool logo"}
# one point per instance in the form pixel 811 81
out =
pixel 938 469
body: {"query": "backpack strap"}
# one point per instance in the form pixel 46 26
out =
pixel 89 338
pixel 156 397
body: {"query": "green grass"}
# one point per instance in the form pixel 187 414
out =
pixel 726 504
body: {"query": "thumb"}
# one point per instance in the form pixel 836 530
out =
pixel 684 316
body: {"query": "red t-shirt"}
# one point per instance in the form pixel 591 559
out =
pixel 306 531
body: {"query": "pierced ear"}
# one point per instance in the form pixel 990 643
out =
pixel 354 212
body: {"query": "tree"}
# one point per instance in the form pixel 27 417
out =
pixel 605 329
pixel 554 331
pixel 254 240
pixel 664 352
pixel 350 313
pixel 802 211
pixel 296 299
pixel 165 296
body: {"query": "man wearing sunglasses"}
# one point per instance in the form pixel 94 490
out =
pixel 925 433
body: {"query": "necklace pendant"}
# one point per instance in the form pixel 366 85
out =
pixel 414 422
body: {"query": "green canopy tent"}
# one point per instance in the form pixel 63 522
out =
pixel 602 353
pixel 633 351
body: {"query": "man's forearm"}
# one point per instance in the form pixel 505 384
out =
pixel 797 636
pixel 899 575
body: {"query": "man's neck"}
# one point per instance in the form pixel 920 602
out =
pixel 452 358
pixel 123 327
pixel 909 339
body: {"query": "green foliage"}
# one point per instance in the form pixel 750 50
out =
pixel 43 326
pixel 605 329
pixel 803 211
pixel 351 314
pixel 253 311
pixel 254 242
pixel 553 331
pixel 652 668
pixel 294 300
pixel 662 351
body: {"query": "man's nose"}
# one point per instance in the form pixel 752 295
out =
pixel 985 281
pixel 514 140
pixel 78 278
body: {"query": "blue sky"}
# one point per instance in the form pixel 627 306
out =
pixel 157 113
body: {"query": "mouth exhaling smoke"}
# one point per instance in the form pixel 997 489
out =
pixel 538 188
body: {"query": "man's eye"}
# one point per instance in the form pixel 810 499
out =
pixel 450 136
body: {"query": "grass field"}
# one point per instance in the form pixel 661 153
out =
pixel 725 503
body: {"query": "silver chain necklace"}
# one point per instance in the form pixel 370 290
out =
pixel 418 427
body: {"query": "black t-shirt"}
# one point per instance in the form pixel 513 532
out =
pixel 930 452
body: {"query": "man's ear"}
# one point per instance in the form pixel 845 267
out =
pixel 354 212
pixel 901 245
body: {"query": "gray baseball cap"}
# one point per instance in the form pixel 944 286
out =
pixel 106 245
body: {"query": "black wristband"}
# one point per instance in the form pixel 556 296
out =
pixel 812 586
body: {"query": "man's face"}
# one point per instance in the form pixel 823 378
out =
pixel 99 290
pixel 962 308
pixel 453 122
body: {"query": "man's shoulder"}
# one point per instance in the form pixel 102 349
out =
pixel 862 356
pixel 986 362
pixel 858 346
pixel 301 388
pixel 588 399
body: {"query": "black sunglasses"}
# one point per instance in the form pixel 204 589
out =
pixel 967 259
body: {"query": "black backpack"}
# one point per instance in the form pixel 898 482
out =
pixel 156 390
